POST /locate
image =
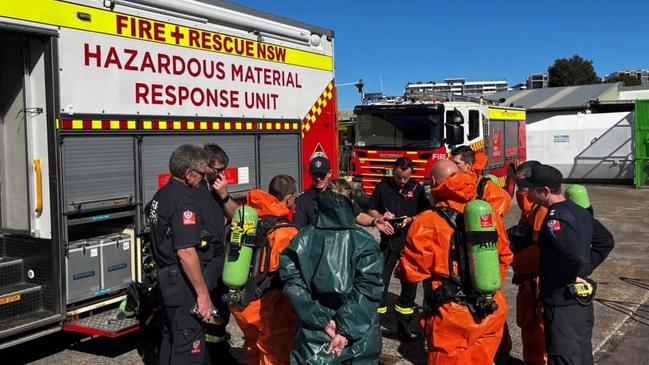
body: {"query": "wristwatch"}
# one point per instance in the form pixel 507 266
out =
pixel 226 199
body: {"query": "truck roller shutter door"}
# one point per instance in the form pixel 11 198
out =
pixel 511 139
pixel 98 168
pixel 156 151
pixel 279 154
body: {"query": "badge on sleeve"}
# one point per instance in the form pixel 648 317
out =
pixel 196 346
pixel 554 225
pixel 189 217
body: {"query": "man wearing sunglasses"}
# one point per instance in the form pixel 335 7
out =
pixel 305 206
pixel 216 205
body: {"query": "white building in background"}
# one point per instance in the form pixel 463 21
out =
pixel 537 81
pixel 459 86
pixel 642 75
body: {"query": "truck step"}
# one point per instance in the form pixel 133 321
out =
pixel 11 271
pixel 105 324
pixel 18 300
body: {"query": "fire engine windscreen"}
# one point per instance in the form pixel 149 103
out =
pixel 400 129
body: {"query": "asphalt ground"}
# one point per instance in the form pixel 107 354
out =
pixel 621 308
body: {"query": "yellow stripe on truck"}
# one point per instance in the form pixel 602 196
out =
pixel 506 114
pixel 62 14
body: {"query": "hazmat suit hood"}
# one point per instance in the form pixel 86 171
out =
pixel 480 163
pixel 455 191
pixel 266 204
pixel 334 211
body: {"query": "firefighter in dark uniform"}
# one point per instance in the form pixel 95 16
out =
pixel 572 244
pixel 398 197
pixel 215 204
pixel 176 224
pixel 305 206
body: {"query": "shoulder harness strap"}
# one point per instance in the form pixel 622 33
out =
pixel 481 186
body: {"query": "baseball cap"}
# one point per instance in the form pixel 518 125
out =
pixel 544 175
pixel 525 169
pixel 319 166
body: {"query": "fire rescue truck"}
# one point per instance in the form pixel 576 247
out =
pixel 425 131
pixel 94 97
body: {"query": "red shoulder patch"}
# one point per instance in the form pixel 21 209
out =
pixel 189 217
pixel 554 225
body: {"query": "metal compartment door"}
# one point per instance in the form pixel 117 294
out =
pixel 156 150
pixel 278 154
pixel 98 170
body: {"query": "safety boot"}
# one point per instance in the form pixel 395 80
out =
pixel 403 327
pixel 219 350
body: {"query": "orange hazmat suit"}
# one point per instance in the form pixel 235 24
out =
pixel 453 335
pixel 529 308
pixel 268 322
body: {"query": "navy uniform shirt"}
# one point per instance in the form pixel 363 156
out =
pixel 176 221
pixel 408 200
pixel 565 250
pixel 213 220
pixel 306 210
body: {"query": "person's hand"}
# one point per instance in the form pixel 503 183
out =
pixel 388 214
pixel 406 221
pixel 579 280
pixel 204 307
pixel 337 344
pixel 330 329
pixel 384 226
pixel 221 185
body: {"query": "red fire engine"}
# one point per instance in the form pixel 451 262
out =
pixel 425 132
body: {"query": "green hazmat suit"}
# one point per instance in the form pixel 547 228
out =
pixel 332 270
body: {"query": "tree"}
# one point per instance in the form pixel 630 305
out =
pixel 572 71
pixel 626 79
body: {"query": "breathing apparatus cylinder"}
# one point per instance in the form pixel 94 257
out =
pixel 579 195
pixel 481 239
pixel 493 178
pixel 239 255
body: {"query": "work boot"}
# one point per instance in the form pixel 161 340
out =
pixel 403 327
pixel 219 351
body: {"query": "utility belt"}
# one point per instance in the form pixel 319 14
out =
pixel 479 305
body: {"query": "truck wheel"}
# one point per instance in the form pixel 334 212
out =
pixel 510 181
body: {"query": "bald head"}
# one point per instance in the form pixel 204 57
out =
pixel 441 170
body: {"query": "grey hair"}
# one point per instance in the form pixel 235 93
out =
pixel 186 157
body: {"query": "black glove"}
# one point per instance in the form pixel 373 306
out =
pixel 519 237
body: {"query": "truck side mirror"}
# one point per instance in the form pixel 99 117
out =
pixel 454 117
pixel 454 134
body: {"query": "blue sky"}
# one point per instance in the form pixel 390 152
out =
pixel 417 40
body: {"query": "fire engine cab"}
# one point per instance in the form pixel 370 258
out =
pixel 426 131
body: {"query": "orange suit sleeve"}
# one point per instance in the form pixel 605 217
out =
pixel 418 256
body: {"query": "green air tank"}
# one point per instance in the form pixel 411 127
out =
pixel 238 255
pixel 491 177
pixel 579 195
pixel 479 222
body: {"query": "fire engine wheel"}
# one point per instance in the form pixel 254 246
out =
pixel 510 182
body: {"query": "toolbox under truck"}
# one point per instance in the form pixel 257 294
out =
pixel 426 131
pixel 94 97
